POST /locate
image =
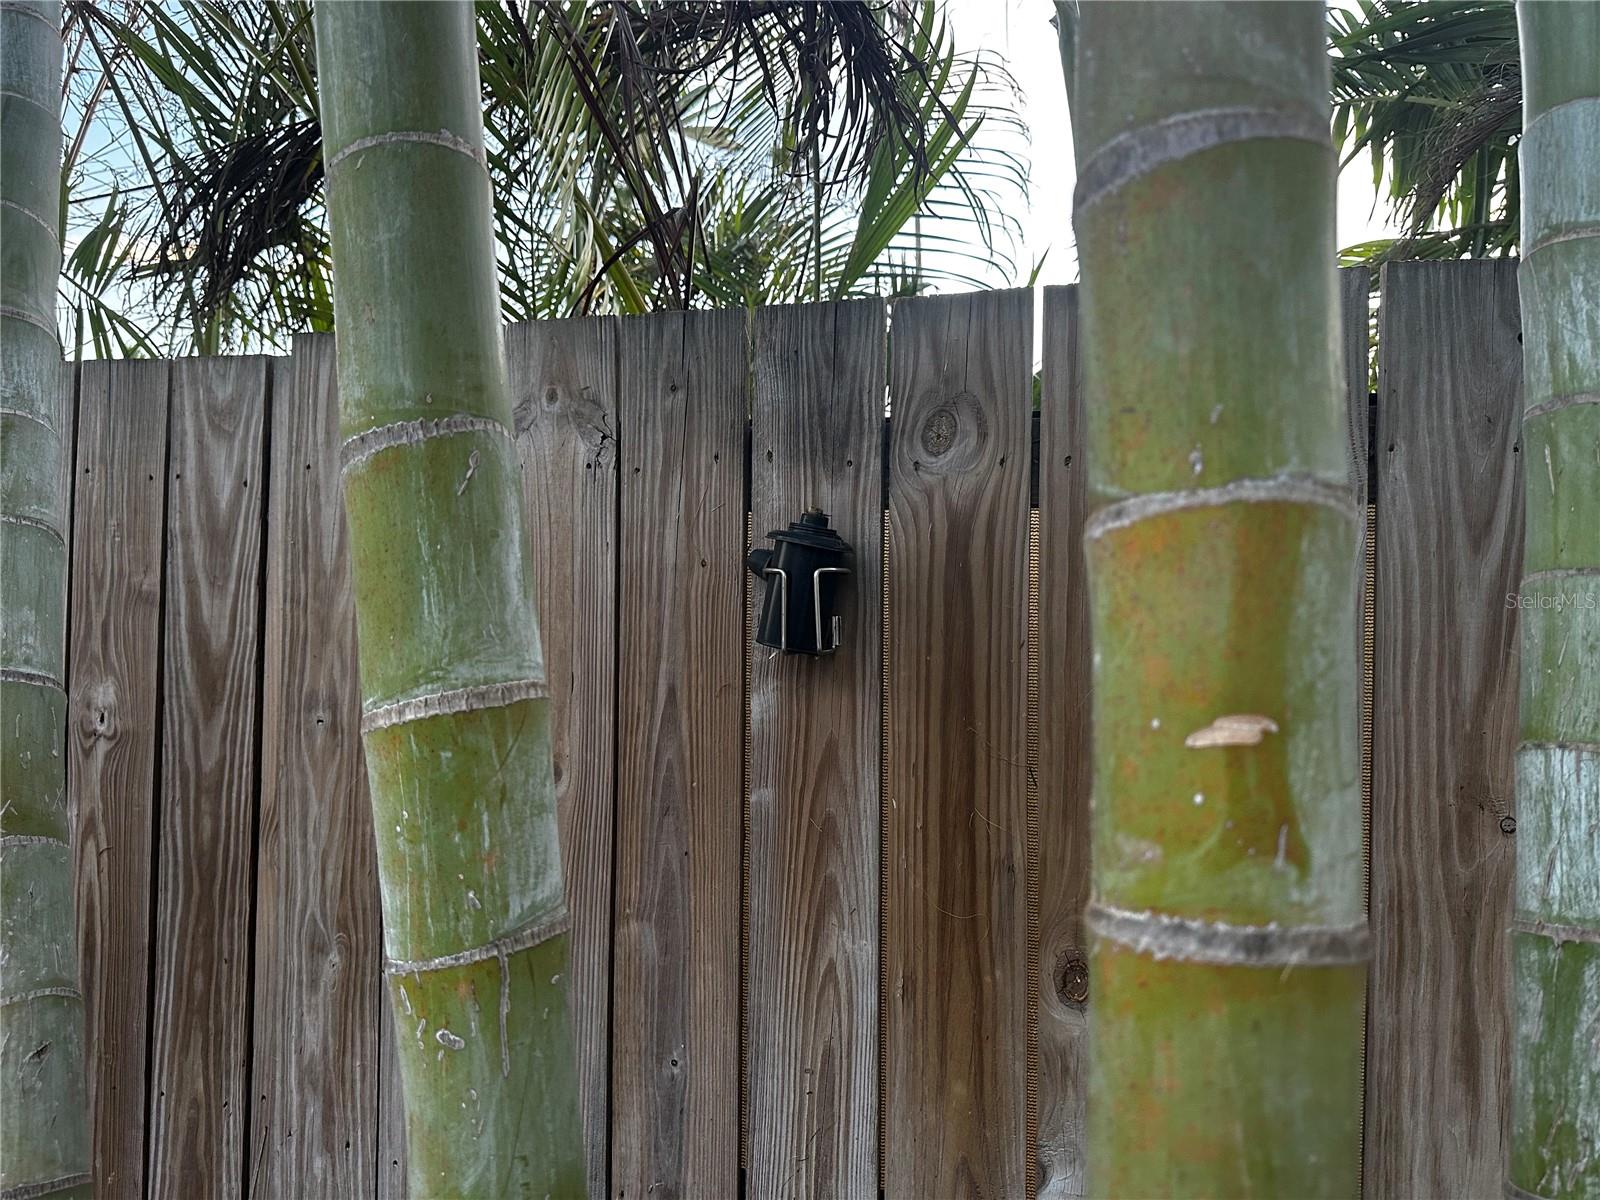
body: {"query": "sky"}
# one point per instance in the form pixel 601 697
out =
pixel 1020 32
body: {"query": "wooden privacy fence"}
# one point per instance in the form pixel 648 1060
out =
pixel 825 913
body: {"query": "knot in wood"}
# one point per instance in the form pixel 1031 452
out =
pixel 1072 982
pixel 939 432
pixel 101 712
pixel 953 435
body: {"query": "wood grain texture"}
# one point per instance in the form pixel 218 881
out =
pixel 1065 774
pixel 955 929
pixel 200 1048
pixel 315 1079
pixel 1449 553
pixel 118 523
pixel 675 1077
pixel 563 378
pixel 1355 346
pixel 393 1181
pixel 1354 343
pixel 811 1081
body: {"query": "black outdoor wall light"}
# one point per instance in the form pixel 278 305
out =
pixel 799 614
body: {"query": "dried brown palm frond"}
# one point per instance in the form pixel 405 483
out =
pixel 237 202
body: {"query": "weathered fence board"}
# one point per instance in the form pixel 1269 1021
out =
pixel 117 542
pixel 1064 777
pixel 564 387
pixel 1355 348
pixel 1354 343
pixel 675 1074
pixel 955 930
pixel 1449 553
pixel 199 1059
pixel 811 1005
pixel 315 1079
pixel 393 1183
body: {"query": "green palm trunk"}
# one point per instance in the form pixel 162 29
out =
pixel 1555 934
pixel 1229 961
pixel 44 1130
pixel 455 719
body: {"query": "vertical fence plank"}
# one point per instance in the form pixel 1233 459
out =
pixel 118 522
pixel 564 390
pixel 1449 553
pixel 811 1007
pixel 675 1077
pixel 955 930
pixel 393 1182
pixel 1354 343
pixel 315 1081
pixel 1355 346
pixel 200 1044
pixel 1064 766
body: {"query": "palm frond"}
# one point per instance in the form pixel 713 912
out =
pixel 643 155
pixel 1432 91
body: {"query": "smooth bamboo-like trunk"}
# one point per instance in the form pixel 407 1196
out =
pixel 1229 960
pixel 455 715
pixel 44 1130
pixel 1555 932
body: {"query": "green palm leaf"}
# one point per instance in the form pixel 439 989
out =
pixel 1432 91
